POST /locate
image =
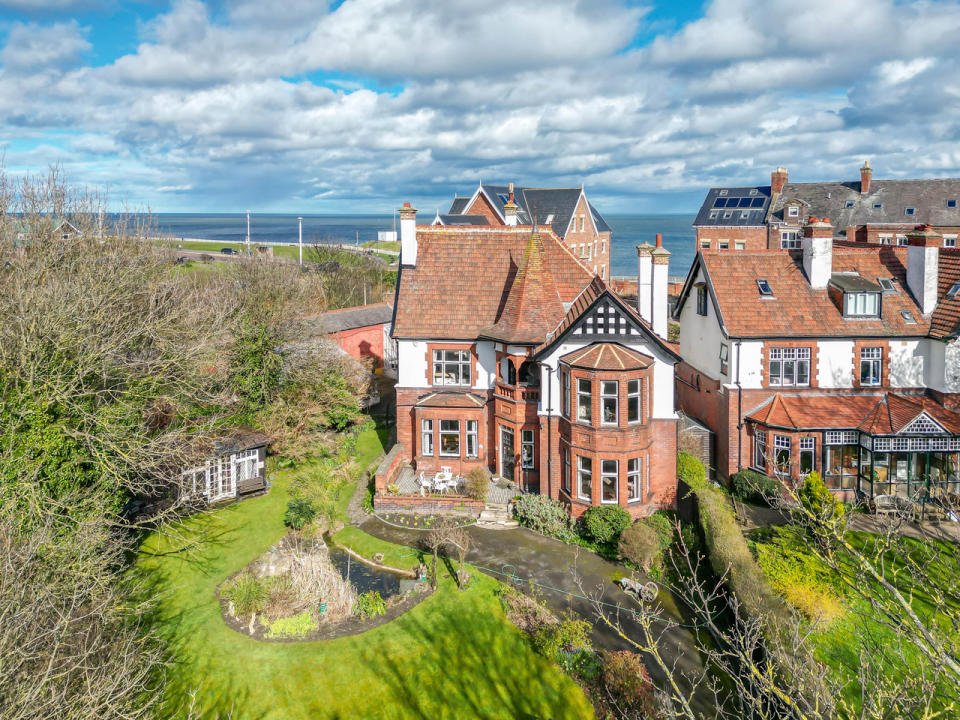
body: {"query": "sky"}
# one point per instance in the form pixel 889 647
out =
pixel 356 106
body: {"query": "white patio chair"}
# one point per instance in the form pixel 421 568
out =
pixel 424 482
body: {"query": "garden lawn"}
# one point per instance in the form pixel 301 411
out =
pixel 452 656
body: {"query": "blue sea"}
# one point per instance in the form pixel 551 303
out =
pixel 628 232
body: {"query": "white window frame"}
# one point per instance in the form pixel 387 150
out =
pixel 634 392
pixel 606 474
pixel 584 471
pixel 463 364
pixel 808 445
pixel 949 241
pixel 760 451
pixel 724 359
pixel 450 433
pixel 793 211
pixel 873 358
pixel 723 245
pixel 426 438
pixel 704 244
pixel 790 240
pixel 781 442
pixel 527 443
pixel 634 476
pixel 565 393
pixel 781 357
pixel 607 397
pixel 473 438
pixel 581 406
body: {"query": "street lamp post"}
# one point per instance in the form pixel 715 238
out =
pixel 300 241
pixel 248 231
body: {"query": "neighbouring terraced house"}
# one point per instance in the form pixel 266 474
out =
pixel 566 211
pixel 514 355
pixel 841 357
pixel 875 211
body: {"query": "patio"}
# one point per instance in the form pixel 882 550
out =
pixel 408 481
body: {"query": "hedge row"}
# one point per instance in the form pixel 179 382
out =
pixel 728 548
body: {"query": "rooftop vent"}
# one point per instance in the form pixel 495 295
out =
pixel 908 317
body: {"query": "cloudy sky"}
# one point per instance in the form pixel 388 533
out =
pixel 354 106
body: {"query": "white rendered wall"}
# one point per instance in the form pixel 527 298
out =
pixel 700 338
pixel 751 364
pixel 952 367
pixel 486 365
pixel 906 363
pixel 835 364
pixel 412 363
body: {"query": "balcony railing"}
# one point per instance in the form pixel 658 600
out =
pixel 518 393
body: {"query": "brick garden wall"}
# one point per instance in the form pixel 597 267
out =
pixel 451 505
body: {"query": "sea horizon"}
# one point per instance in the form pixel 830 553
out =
pixel 628 230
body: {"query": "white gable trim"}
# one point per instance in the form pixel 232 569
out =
pixel 921 425
pixel 473 199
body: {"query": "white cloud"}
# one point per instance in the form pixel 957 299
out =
pixel 32 47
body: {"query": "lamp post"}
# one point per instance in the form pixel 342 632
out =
pixel 248 231
pixel 300 241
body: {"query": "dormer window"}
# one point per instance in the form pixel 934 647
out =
pixel 952 203
pixel 793 211
pixel 910 211
pixel 878 206
pixel 861 304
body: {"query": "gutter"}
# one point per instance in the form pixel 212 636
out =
pixel 739 414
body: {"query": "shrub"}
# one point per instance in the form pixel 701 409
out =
pixel 370 604
pixel 478 483
pixel 545 515
pixel 691 470
pixel 393 489
pixel 754 487
pixel 293 627
pixel 568 635
pixel 626 680
pixel 247 593
pixel 640 545
pixel 816 497
pixel 662 525
pixel 604 523
pixel 300 512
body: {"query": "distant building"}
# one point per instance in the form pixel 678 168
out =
pixel 841 357
pixel 566 211
pixel 874 211
pixel 363 332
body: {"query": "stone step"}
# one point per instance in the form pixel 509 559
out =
pixel 502 525
pixel 494 515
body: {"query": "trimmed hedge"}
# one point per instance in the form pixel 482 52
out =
pixel 727 548
pixel 754 487
pixel 604 523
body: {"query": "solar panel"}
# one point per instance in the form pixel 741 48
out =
pixel 720 202
pixel 764 287
pixel 745 202
pixel 954 290
pixel 757 202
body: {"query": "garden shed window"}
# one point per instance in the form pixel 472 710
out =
pixel 584 477
pixel 450 438
pixel 608 477
pixel 451 367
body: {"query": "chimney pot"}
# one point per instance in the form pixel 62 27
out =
pixel 408 235
pixel 778 178
pixel 923 260
pixel 659 240
pixel 866 174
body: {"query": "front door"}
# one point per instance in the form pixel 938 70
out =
pixel 507 458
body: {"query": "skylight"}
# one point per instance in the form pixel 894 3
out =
pixel 848 204
pixel 878 206
pixel 549 219
pixel 764 287
pixel 723 192
pixel 952 203
pixel 954 290
pixel 908 317
pixel 886 284
pixel 909 211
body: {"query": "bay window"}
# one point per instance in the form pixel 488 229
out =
pixel 609 402
pixel 450 438
pixel 608 481
pixel 584 477
pixel 807 450
pixel 781 454
pixel 634 477
pixel 565 470
pixel 565 393
pixel 584 398
pixel 451 367
pixel 633 401
pixel 760 451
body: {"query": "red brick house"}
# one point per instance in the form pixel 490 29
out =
pixel 514 356
pixel 566 211
pixel 876 211
pixel 842 357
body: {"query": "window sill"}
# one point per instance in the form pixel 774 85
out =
pixel 609 502
pixel 634 500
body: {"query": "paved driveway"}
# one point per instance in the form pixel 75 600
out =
pixel 556 565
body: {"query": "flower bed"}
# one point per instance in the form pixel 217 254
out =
pixel 417 521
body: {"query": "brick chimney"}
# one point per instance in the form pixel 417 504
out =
pixel 866 175
pixel 658 290
pixel 778 178
pixel 818 251
pixel 923 259
pixel 408 235
pixel 510 209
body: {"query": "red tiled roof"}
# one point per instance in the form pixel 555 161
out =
pixel 796 309
pixel 607 356
pixel 463 279
pixel 945 322
pixel 885 414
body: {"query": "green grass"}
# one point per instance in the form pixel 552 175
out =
pixel 285 251
pixel 452 656
pixel 385 245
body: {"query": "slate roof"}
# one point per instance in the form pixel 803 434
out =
pixel 463 278
pixel 352 318
pixel 462 220
pixel 607 356
pixel 734 202
pixel 876 414
pixel 797 310
pixel 537 204
pixel 459 205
